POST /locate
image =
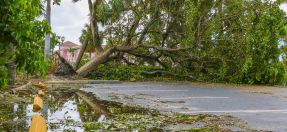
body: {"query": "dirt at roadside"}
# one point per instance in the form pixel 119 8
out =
pixel 19 80
pixel 275 91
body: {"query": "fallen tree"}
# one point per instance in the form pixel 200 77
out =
pixel 63 68
pixel 221 41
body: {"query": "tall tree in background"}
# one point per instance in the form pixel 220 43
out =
pixel 48 18
pixel 47 38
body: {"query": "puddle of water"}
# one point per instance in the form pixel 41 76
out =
pixel 13 117
pixel 70 110
pixel 64 111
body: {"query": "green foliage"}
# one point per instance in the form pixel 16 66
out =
pixel 235 41
pixel 72 50
pixel 3 79
pixel 19 27
pixel 50 65
pixel 241 49
pixel 86 33
pixel 84 60
pixel 122 72
pixel 126 72
pixel 5 58
pixel 109 15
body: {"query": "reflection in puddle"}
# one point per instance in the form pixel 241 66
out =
pixel 63 111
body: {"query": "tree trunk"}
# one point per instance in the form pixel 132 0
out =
pixel 47 38
pixel 82 51
pixel 11 72
pixel 95 28
pixel 93 63
pixel 102 58
pixel 11 68
pixel 85 43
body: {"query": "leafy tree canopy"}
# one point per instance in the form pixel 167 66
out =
pixel 234 41
pixel 19 27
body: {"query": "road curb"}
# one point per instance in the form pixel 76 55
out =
pixel 85 82
pixel 14 90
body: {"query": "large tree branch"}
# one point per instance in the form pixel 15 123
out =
pixel 142 55
pixel 102 58
pixel 155 16
pixel 164 49
pixel 95 28
pixel 84 45
pixel 161 63
pixel 90 8
pixel 132 31
pixel 166 33
pixel 94 62
pixel 156 58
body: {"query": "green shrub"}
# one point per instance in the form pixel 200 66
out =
pixel 125 72
pixel 3 77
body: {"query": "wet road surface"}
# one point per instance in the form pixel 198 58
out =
pixel 261 110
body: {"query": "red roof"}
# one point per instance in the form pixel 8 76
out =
pixel 80 46
pixel 77 47
pixel 68 43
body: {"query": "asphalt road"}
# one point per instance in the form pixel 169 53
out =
pixel 262 110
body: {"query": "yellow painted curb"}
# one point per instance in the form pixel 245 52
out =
pixel 38 124
pixel 41 93
pixel 36 110
pixel 38 103
pixel 41 86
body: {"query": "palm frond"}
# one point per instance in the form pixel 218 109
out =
pixel 75 1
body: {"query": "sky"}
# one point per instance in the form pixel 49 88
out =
pixel 69 19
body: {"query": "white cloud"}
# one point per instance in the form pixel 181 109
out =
pixel 284 7
pixel 69 19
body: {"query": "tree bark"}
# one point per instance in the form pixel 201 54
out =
pixel 11 68
pixel 99 59
pixel 11 72
pixel 47 38
pixel 95 28
pixel 102 58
